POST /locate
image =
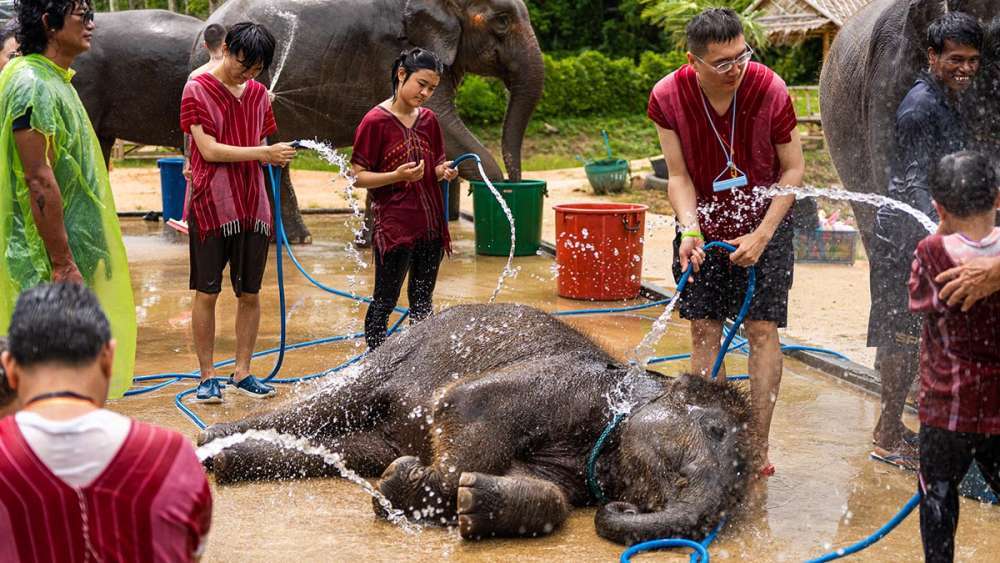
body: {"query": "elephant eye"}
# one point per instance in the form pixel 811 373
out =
pixel 501 21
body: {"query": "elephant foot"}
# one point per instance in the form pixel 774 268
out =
pixel 491 506
pixel 415 489
pixel 212 432
pixel 257 460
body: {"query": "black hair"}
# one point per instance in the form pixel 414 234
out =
pixel 32 33
pixel 412 60
pixel 958 27
pixel 7 31
pixel 57 322
pixel 215 35
pixel 965 183
pixel 7 395
pixel 714 25
pixel 253 42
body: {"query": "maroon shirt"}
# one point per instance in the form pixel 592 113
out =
pixel 765 117
pixel 404 212
pixel 152 502
pixel 959 352
pixel 227 197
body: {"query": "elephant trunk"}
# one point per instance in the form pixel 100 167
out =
pixel 624 523
pixel 459 139
pixel 525 83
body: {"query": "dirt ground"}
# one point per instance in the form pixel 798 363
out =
pixel 828 305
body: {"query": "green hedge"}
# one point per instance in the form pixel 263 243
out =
pixel 584 85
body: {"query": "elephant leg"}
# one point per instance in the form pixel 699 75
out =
pixel 331 413
pixel 428 492
pixel 291 217
pixel 365 453
pixel 364 239
pixel 490 506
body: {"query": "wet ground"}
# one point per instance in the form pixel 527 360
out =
pixel 826 493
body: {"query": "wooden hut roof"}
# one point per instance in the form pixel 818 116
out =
pixel 792 19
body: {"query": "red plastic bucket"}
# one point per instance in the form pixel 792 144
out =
pixel 599 250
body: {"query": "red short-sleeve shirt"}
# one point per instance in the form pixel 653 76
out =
pixel 404 212
pixel 765 118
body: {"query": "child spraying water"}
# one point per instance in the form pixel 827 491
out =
pixel 960 351
pixel 399 157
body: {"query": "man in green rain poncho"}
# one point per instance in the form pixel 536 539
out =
pixel 57 215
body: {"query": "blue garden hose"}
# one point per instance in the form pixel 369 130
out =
pixel 447 184
pixel 699 549
pixel 879 534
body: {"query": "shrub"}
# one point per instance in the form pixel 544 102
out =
pixel 481 100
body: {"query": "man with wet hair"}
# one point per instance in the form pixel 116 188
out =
pixel 228 115
pixel 55 196
pixel 8 42
pixel 78 481
pixel 928 127
pixel 726 126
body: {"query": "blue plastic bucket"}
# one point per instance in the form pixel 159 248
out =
pixel 173 186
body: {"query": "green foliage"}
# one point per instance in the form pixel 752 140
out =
pixel 672 16
pixel 481 100
pixel 797 64
pixel 584 85
pixel 615 27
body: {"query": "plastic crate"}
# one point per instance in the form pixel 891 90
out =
pixel 828 247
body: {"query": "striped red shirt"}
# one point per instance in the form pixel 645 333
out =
pixel 152 503
pixel 765 117
pixel 404 212
pixel 227 197
pixel 959 352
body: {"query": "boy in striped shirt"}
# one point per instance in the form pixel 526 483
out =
pixel 228 114
pixel 959 350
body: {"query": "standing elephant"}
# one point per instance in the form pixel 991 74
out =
pixel 335 57
pixel 486 414
pixel 872 64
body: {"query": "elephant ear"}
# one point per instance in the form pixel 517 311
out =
pixel 434 25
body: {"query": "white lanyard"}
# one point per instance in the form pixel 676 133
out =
pixel 739 179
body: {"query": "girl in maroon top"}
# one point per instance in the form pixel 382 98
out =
pixel 959 351
pixel 399 156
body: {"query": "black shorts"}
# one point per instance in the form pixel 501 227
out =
pixel 246 254
pixel 720 286
pixel 890 322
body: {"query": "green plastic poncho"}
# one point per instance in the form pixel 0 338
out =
pixel 95 238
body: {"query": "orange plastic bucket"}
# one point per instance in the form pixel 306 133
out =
pixel 599 250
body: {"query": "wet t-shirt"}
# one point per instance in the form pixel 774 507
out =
pixel 765 118
pixel 404 212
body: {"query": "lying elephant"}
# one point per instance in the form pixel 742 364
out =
pixel 486 414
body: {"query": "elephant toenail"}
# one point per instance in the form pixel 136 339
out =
pixel 467 479
pixel 465 500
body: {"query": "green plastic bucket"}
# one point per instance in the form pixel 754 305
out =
pixel 524 199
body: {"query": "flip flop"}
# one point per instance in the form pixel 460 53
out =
pixel 902 461
pixel 767 470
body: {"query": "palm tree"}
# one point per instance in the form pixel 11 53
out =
pixel 673 15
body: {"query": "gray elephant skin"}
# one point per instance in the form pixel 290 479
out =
pixel 338 56
pixel 872 64
pixel 484 416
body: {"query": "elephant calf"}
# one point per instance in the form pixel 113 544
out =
pixel 485 415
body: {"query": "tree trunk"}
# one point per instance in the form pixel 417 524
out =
pixel 112 5
pixel 172 5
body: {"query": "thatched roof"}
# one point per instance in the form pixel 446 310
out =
pixel 789 20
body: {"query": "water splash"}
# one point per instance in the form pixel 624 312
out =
pixel 303 445
pixel 508 270
pixel 293 25
pixel 620 398
pixel 356 221
pixel 844 195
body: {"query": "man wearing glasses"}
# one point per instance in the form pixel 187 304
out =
pixel 60 221
pixel 928 127
pixel 726 126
